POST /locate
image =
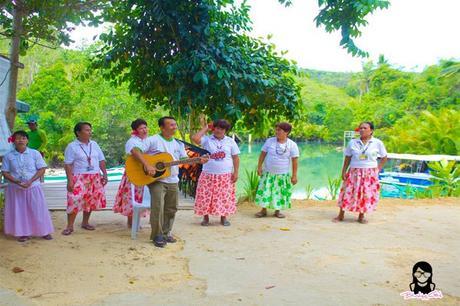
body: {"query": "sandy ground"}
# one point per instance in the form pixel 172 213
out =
pixel 303 259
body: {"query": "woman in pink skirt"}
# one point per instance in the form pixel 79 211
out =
pixel 215 193
pixel 135 145
pixel 360 174
pixel 84 162
pixel 26 213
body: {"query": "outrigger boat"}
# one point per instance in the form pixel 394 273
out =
pixel 403 171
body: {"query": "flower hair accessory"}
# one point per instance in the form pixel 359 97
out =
pixel 11 139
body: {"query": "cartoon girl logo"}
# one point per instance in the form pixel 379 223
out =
pixel 422 278
pixel 422 286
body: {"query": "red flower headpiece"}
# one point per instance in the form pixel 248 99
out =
pixel 357 129
pixel 11 139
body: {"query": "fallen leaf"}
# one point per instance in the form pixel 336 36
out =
pixel 285 229
pixel 17 270
pixel 270 287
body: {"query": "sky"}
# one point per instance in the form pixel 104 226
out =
pixel 411 34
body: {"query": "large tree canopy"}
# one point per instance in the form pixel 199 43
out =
pixel 195 56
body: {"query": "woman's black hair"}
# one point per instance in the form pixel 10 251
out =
pixel 137 123
pixel 222 123
pixel 161 121
pixel 79 126
pixel 426 267
pixel 371 125
pixel 21 133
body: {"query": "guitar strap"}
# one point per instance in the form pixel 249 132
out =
pixel 194 148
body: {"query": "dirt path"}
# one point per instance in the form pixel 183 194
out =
pixel 269 261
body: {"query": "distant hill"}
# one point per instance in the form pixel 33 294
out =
pixel 337 79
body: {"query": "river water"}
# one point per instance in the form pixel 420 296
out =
pixel 317 162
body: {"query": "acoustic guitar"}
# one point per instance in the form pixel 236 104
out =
pixel 162 162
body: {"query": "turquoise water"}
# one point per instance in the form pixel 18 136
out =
pixel 317 162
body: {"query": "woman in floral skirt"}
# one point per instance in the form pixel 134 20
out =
pixel 135 145
pixel 278 155
pixel 360 174
pixel 215 193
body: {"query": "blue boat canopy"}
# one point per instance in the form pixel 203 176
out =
pixel 423 157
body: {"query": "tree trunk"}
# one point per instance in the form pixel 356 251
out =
pixel 14 65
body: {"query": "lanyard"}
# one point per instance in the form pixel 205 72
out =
pixel 88 157
pixel 365 147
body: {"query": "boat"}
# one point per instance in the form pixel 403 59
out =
pixel 405 174
pixel 113 175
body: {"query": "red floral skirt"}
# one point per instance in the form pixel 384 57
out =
pixel 215 195
pixel 360 191
pixel 88 193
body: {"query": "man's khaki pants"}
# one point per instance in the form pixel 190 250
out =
pixel 163 205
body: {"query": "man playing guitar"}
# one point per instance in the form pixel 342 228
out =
pixel 164 191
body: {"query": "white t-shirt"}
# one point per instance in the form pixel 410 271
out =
pixel 214 145
pixel 23 166
pixel 279 155
pixel 365 156
pixel 157 144
pixel 76 154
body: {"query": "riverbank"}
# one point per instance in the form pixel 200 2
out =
pixel 268 261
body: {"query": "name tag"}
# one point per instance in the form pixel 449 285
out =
pixel 363 157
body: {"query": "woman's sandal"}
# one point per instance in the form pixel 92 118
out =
pixel 225 223
pixel 204 223
pixel 279 215
pixel 88 227
pixel 48 237
pixel 23 238
pixel 362 221
pixel 67 231
pixel 261 214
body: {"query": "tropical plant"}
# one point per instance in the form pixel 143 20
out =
pixel 446 175
pixel 427 133
pixel 250 188
pixel 308 191
pixel 333 186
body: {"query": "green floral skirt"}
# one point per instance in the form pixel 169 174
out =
pixel 274 191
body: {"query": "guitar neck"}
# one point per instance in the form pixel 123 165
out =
pixel 183 161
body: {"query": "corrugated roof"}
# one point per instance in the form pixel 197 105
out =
pixel 22 107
